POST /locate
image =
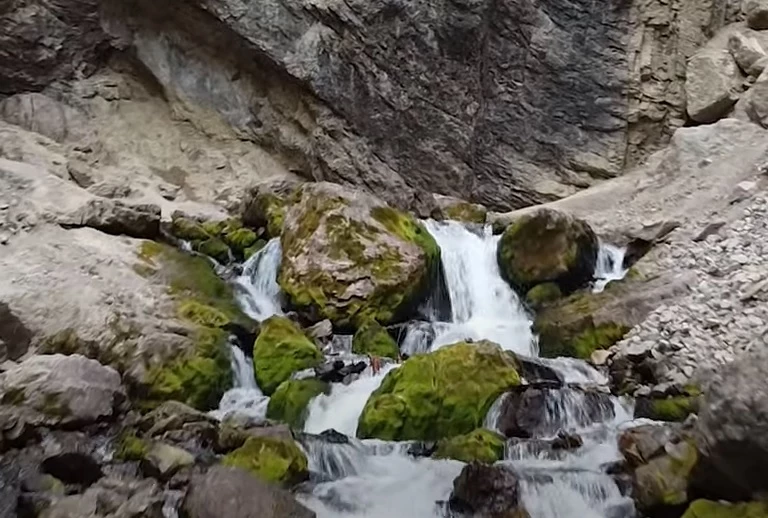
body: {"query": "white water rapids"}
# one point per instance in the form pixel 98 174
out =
pixel 376 479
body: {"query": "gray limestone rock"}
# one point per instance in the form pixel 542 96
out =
pixel 710 86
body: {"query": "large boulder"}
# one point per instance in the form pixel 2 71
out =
pixel 548 246
pixel 64 390
pixel 349 257
pixel 712 80
pixel 280 350
pixel 235 493
pixel 732 429
pixel 746 50
pixel 487 491
pixel 431 397
pixel 271 459
pixel 290 400
pixel 757 13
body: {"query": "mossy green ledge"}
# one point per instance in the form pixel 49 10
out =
pixel 200 374
pixel 441 394
pixel 290 401
pixel 710 509
pixel 273 460
pixel 371 338
pixel 547 246
pixel 215 238
pixel 348 257
pixel 480 445
pixel 280 350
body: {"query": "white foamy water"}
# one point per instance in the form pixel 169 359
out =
pixel 258 295
pixel 483 305
pixel 609 266
pixel 378 479
pixel 341 409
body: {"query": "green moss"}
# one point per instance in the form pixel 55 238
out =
pixel 709 509
pixel 129 447
pixel 273 460
pixel 567 326
pixel 406 227
pixel 478 446
pixel 547 246
pixel 373 339
pixel 431 396
pixel 240 240
pixel 664 481
pixel 197 378
pixel 467 212
pixel 290 400
pixel 280 350
pixel 188 229
pixel 202 314
pixel 542 294
pixel 274 209
pixel 52 406
pixel 13 396
pixel 673 408
pixel 214 247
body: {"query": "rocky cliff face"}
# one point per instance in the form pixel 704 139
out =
pixel 507 102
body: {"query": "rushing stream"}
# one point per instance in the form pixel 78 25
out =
pixel 376 479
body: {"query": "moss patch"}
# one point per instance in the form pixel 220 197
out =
pixel 280 350
pixel 215 238
pixel 273 460
pixel 290 400
pixel 542 294
pixel 466 212
pixel 478 446
pixel 130 448
pixel 434 396
pixel 709 509
pixel 371 338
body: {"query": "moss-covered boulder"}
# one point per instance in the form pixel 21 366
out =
pixel 437 395
pixel 480 445
pixel 542 294
pixel 371 338
pixel 348 257
pixel 280 350
pixel 460 210
pixel 548 246
pixel 290 400
pixel 273 460
pixel 710 509
pixel 216 239
pixel 672 408
pixel 583 322
pixel 199 372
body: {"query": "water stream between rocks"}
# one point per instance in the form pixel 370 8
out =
pixel 378 479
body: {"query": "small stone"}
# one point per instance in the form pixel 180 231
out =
pixel 599 357
pixel 163 460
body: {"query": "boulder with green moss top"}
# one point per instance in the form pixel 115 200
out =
pixel 63 390
pixel 481 445
pixel 710 509
pixel 349 257
pixel 460 210
pixel 266 204
pixel 663 462
pixel 371 338
pixel 280 350
pixel 548 246
pixel 273 460
pixel 431 397
pixel 290 400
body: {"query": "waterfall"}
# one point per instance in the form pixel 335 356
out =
pixel 258 295
pixel 609 266
pixel 377 479
pixel 483 305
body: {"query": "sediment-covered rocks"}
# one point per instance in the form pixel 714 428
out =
pixel 235 493
pixel 548 246
pixel 270 459
pixel 489 491
pixel 431 397
pixel 63 390
pixel 280 350
pixel 349 257
pixel 732 429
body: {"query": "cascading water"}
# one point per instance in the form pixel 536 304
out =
pixel 609 266
pixel 376 479
pixel 258 294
